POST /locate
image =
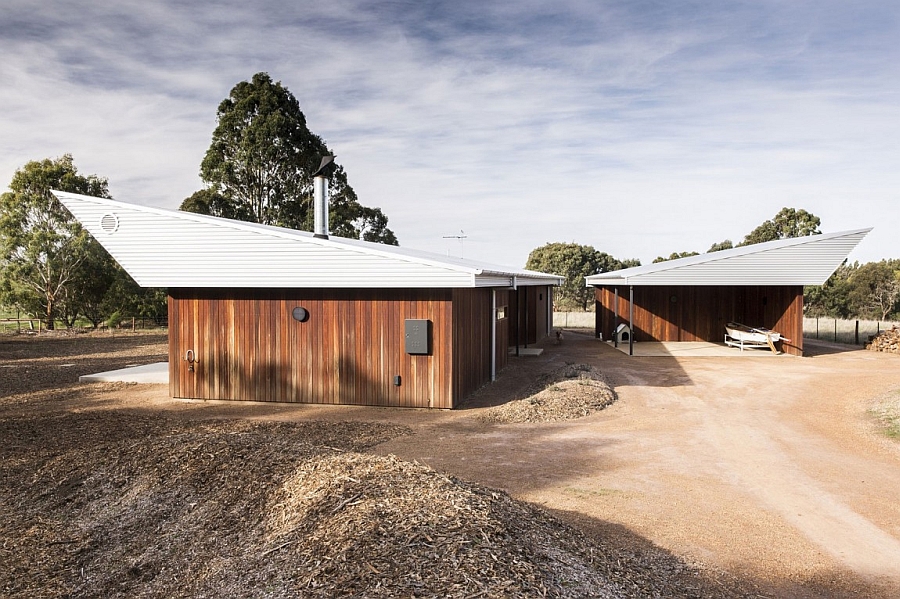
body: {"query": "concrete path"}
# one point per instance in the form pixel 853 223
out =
pixel 157 373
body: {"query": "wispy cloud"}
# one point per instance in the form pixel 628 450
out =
pixel 639 127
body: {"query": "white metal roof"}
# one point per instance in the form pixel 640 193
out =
pixel 797 261
pixel 167 248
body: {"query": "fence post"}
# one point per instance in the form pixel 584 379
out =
pixel 835 330
pixel 817 327
pixel 856 336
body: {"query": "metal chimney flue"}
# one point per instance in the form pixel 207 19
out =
pixel 320 197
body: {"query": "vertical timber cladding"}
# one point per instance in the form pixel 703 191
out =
pixel 348 351
pixel 528 313
pixel 681 313
pixel 473 320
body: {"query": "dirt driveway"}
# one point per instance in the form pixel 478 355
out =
pixel 769 469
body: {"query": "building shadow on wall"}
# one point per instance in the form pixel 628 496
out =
pixel 326 382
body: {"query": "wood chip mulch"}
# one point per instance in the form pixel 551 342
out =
pixel 118 503
pixel 571 391
pixel 115 504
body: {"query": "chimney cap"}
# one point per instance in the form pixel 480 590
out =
pixel 324 169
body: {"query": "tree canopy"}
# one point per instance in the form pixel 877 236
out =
pixel 722 245
pixel 574 262
pixel 259 167
pixel 42 247
pixel 788 223
pixel 870 290
pixel 874 290
pixel 674 256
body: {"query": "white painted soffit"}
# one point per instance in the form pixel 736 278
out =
pixel 798 261
pixel 166 248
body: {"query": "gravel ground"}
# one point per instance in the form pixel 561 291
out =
pixel 117 502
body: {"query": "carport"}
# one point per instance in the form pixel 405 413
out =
pixel 693 298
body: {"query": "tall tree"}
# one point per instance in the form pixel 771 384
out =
pixel 42 246
pixel 260 163
pixel 574 262
pixel 788 223
pixel 875 289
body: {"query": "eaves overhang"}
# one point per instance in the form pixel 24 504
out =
pixel 166 248
pixel 797 261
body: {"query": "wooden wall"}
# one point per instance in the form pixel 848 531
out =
pixel 528 311
pixel 348 352
pixel 677 313
pixel 472 321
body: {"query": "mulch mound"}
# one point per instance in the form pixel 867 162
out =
pixel 114 504
pixel 569 392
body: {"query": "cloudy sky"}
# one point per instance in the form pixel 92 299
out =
pixel 641 127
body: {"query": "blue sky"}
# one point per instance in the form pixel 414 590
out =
pixel 639 127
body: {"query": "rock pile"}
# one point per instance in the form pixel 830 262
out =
pixel 886 341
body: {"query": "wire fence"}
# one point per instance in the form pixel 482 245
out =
pixel 852 332
pixel 36 325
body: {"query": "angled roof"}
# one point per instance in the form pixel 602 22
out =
pixel 797 261
pixel 167 248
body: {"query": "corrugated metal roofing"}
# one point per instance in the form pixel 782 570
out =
pixel 797 261
pixel 166 248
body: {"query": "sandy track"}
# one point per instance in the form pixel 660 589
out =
pixel 769 469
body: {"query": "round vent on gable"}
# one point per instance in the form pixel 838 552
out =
pixel 109 223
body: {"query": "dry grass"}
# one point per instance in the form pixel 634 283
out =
pixel 887 411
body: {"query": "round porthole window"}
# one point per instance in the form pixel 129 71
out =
pixel 300 314
pixel 673 299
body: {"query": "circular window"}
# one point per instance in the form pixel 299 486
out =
pixel 300 314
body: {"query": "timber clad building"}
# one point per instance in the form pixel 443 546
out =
pixel 271 314
pixel 693 298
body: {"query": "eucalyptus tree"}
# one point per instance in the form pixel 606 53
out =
pixel 260 162
pixel 574 262
pixel 875 289
pixel 788 223
pixel 42 247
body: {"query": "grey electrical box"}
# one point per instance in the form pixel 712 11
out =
pixel 418 336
